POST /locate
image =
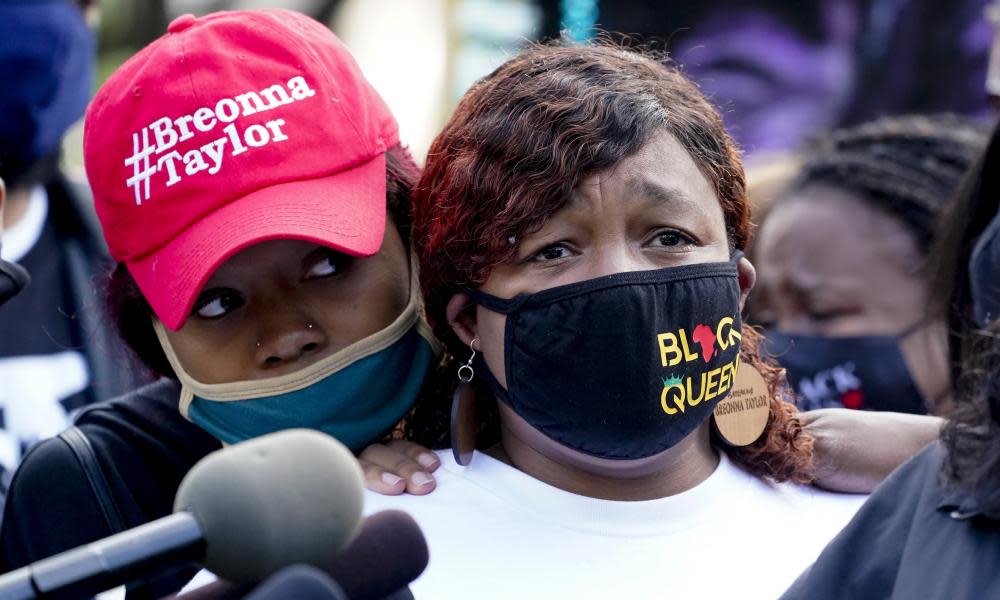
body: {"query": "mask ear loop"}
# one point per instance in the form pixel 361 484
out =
pixel 929 403
pixel 463 412
pixel 915 327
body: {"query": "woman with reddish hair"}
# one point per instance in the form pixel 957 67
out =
pixel 580 225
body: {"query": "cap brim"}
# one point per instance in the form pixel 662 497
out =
pixel 345 211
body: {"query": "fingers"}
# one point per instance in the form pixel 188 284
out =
pixel 381 481
pixel 391 469
pixel 424 457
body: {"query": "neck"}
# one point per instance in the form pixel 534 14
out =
pixel 16 206
pixel 670 472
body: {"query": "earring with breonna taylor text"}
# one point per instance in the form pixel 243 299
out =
pixel 740 418
pixel 463 412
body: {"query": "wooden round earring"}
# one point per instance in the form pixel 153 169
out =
pixel 740 417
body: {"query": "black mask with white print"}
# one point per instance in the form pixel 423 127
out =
pixel 862 372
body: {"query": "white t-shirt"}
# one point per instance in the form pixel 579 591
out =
pixel 495 532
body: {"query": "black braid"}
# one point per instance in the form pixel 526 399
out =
pixel 908 166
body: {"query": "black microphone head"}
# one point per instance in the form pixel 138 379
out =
pixel 389 552
pixel 299 582
pixel 281 499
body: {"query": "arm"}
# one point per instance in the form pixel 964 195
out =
pixel 856 450
pixel 49 507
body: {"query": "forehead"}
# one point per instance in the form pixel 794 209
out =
pixel 661 170
pixel 821 235
pixel 256 259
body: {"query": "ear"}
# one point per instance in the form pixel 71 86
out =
pixel 748 277
pixel 461 314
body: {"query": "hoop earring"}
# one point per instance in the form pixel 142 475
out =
pixel 463 412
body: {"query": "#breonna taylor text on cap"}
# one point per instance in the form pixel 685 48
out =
pixel 230 130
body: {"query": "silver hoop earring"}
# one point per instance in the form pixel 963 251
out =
pixel 466 372
pixel 463 412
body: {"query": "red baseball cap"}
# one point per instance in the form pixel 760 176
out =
pixel 230 130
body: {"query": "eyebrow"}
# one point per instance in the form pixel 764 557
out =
pixel 659 194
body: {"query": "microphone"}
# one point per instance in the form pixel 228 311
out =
pixel 299 582
pixel 386 556
pixel 244 512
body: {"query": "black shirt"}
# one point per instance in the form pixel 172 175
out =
pixel 145 448
pixel 40 341
pixel 915 537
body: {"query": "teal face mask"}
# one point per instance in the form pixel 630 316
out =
pixel 356 394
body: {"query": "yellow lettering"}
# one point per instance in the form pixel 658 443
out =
pixel 679 400
pixel 723 340
pixel 688 355
pixel 692 401
pixel 725 378
pixel 711 385
pixel 668 348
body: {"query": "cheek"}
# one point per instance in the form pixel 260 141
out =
pixel 366 302
pixel 490 330
pixel 349 318
pixel 209 357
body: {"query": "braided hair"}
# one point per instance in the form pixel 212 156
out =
pixel 908 166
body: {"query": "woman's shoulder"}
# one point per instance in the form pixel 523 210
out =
pixel 145 422
pixel 864 559
pixel 815 513
pixel 136 448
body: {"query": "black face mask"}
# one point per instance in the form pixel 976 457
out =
pixel 623 366
pixel 847 372
pixel 13 278
pixel 984 274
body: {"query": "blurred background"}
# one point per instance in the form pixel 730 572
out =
pixel 780 71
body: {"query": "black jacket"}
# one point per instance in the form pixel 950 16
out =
pixel 915 537
pixel 114 371
pixel 143 445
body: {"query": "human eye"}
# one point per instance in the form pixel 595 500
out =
pixel 551 252
pixel 326 264
pixel 821 313
pixel 216 303
pixel 670 238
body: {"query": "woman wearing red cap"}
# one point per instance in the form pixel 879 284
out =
pixel 242 169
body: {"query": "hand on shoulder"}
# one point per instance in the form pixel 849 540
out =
pixel 399 466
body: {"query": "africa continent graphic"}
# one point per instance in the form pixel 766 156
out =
pixel 705 337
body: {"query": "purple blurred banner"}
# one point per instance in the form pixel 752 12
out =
pixel 782 70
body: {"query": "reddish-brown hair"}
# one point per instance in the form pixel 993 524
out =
pixel 521 140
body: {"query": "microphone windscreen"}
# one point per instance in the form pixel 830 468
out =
pixel 389 553
pixel 281 499
pixel 299 582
